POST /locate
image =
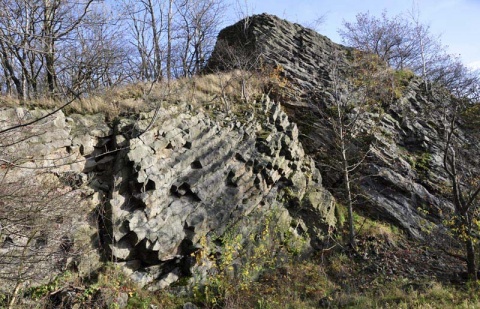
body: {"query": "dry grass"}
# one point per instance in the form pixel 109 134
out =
pixel 92 104
pixel 199 92
pixel 367 227
pixel 400 294
pixel 295 285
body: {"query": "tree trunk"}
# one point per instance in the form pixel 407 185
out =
pixel 156 43
pixel 169 41
pixel 471 265
pixel 8 82
pixel 351 228
pixel 346 176
pixel 11 72
pixel 13 299
pixel 49 44
pixel 50 66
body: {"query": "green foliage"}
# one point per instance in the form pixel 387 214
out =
pixel 427 226
pixel 460 230
pixel 139 300
pixel 373 79
pixel 89 292
pixel 243 259
pixel 294 244
pixel 3 300
pixel 471 116
pixel 40 291
pixel 398 294
pixel 254 260
pixel 340 266
pixel 402 79
pixel 368 227
pixel 420 162
pixel 341 214
pixel 330 280
pixel 110 282
pixel 295 285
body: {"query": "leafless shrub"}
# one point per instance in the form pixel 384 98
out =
pixel 37 209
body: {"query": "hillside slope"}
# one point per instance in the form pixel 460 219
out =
pixel 161 194
pixel 203 198
pixel 403 180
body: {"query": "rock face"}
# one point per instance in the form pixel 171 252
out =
pixel 404 181
pixel 304 56
pixel 191 178
pixel 408 180
pixel 175 192
pixel 166 198
pixel 46 221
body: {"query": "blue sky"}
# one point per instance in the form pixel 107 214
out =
pixel 456 21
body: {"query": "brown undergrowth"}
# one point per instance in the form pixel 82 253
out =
pixel 204 91
pixel 388 270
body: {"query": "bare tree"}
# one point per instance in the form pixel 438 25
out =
pixel 464 184
pixel 19 43
pixel 156 33
pixel 385 37
pixel 317 23
pixel 97 57
pixel 147 20
pixel 347 119
pixel 169 39
pixel 243 10
pixel 30 32
pixel 240 59
pixel 60 18
pixel 197 26
pixel 37 205
pixel 42 40
pixel 402 42
pixel 140 41
pixel 421 33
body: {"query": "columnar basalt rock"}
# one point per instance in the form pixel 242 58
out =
pixel 161 195
pixel 404 180
pixel 46 209
pixel 191 177
pixel 304 56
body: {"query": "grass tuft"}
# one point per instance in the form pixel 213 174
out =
pixel 206 91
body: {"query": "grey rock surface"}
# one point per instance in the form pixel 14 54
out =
pixel 161 202
pixel 191 177
pixel 404 181
pixel 47 219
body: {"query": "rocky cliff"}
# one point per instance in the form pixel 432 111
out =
pixel 180 191
pixel 191 177
pixel 169 188
pixel 403 180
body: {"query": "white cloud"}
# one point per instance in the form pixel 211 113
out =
pixel 475 65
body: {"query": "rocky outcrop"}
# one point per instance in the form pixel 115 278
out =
pixel 156 192
pixel 407 180
pixel 304 56
pixel 192 177
pixel 167 194
pixel 47 214
pixel 404 181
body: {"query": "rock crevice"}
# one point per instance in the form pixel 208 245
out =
pixel 223 175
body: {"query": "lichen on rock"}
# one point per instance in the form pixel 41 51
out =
pixel 189 178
